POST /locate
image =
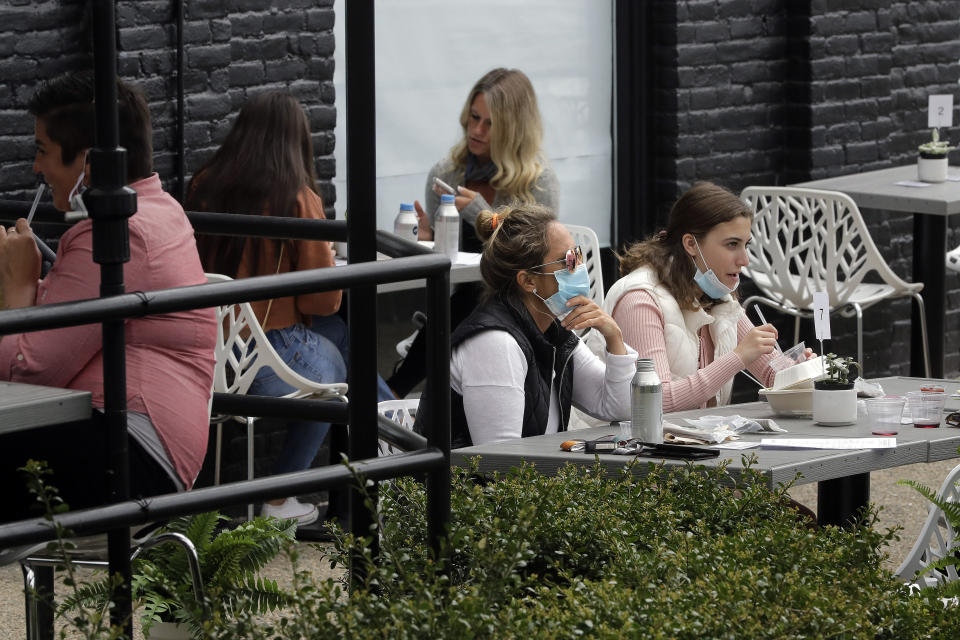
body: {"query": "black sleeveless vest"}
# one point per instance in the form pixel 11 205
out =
pixel 546 353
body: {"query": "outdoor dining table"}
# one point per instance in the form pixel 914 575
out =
pixel 27 406
pixel 465 269
pixel 930 206
pixel 843 476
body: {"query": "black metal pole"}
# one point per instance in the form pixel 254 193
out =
pixel 361 229
pixel 181 160
pixel 438 391
pixel 110 203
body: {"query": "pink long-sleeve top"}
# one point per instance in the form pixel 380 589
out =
pixel 642 324
pixel 169 357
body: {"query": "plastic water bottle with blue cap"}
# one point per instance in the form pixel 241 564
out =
pixel 446 236
pixel 405 224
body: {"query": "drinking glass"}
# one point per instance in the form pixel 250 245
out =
pixel 884 415
pixel 926 408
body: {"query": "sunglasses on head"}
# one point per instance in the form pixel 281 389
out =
pixel 571 260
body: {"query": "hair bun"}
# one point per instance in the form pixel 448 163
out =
pixel 487 223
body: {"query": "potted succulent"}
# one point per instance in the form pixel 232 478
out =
pixel 230 562
pixel 932 159
pixel 834 398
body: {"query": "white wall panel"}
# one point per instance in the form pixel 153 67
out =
pixel 431 52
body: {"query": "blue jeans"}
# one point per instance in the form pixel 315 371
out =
pixel 312 356
pixel 334 329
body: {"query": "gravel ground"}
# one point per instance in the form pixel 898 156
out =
pixel 900 506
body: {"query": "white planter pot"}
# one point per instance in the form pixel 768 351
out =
pixel 932 169
pixel 169 631
pixel 834 408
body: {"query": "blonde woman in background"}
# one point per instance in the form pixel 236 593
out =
pixel 498 161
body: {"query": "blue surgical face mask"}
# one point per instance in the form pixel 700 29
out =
pixel 569 285
pixel 708 282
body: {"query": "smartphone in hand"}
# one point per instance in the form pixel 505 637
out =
pixel 443 185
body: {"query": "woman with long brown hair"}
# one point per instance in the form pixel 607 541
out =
pixel 676 301
pixel 265 166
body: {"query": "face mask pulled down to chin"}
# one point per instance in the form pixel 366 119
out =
pixel 569 285
pixel 708 282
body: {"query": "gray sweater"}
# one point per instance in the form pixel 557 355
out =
pixel 546 191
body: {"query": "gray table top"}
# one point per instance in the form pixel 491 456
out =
pixel 25 406
pixel 776 465
pixel 459 273
pixel 878 190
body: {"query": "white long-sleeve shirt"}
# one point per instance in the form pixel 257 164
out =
pixel 488 370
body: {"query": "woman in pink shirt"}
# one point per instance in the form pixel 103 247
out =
pixel 676 301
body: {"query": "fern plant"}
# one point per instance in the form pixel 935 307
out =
pixel 230 562
pixel 951 512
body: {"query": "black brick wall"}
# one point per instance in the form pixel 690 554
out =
pixel 233 48
pixel 777 92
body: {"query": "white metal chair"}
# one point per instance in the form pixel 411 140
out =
pixel 935 541
pixel 242 349
pixel 590 244
pixel 953 259
pixel 807 240
pixel 403 412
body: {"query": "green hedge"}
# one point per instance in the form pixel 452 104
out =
pixel 581 554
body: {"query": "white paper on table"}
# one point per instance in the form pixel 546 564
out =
pixel 829 443
pixel 735 445
pixel 913 183
pixel 467 258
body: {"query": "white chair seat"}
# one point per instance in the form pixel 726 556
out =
pixel 935 541
pixel 809 240
pixel 403 412
pixel 242 349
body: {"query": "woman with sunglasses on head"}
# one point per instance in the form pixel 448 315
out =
pixel 516 365
pixel 676 301
pixel 497 161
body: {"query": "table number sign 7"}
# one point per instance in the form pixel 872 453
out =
pixel 821 316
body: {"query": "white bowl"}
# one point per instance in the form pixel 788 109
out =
pixel 789 402
pixel 799 376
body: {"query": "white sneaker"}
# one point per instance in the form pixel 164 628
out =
pixel 403 347
pixel 291 509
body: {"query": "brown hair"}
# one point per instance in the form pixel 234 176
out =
pixel 514 238
pixel 700 209
pixel 516 131
pixel 260 169
pixel 65 105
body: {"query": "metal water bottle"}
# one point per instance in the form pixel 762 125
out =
pixel 446 236
pixel 646 403
pixel 405 224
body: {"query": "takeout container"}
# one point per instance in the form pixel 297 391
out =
pixel 800 375
pixel 791 357
pixel 789 402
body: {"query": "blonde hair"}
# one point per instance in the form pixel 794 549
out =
pixel 514 238
pixel 515 133
pixel 702 207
